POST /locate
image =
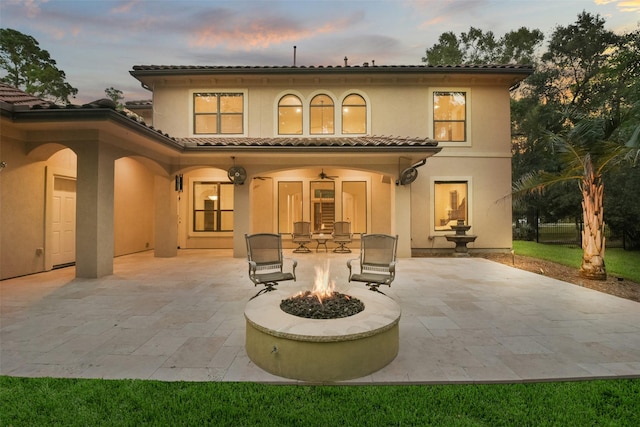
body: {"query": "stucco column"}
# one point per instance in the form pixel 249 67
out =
pixel 94 210
pixel 401 219
pixel 166 218
pixel 241 219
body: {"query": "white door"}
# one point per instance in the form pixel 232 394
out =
pixel 63 242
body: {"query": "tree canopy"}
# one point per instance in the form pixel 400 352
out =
pixel 479 47
pixel 31 69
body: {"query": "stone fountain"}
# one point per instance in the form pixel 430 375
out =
pixel 461 238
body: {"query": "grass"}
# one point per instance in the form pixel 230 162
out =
pixel 619 263
pixel 71 402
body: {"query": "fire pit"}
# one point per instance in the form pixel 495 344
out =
pixel 323 302
pixel 322 349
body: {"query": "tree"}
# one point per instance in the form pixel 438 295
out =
pixel 623 211
pixel 116 96
pixel 478 47
pixel 30 68
pixel 586 154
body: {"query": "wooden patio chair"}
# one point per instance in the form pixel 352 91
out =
pixel 377 261
pixel 342 236
pixel 264 254
pixel 301 235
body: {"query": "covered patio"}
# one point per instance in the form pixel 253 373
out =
pixel 181 319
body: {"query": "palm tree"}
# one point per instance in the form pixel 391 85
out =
pixel 586 151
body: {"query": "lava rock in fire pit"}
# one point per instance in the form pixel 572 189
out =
pixel 308 305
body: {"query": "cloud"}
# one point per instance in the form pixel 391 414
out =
pixel 438 11
pixel 124 6
pixel 239 30
pixel 621 5
pixel 32 7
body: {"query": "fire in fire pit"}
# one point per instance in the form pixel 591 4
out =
pixel 323 302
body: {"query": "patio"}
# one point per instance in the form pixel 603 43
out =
pixel 463 320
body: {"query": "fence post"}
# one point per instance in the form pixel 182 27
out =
pixel 580 233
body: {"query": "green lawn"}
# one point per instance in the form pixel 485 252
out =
pixel 619 263
pixel 85 402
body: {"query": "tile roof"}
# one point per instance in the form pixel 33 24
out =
pixel 221 69
pixel 309 142
pixel 17 97
pixel 139 103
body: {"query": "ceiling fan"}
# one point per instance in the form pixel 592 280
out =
pixel 323 175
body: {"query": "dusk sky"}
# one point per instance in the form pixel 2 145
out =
pixel 97 42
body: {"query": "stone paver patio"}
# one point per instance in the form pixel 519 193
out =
pixel 463 320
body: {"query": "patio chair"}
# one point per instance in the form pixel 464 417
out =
pixel 377 261
pixel 301 235
pixel 342 236
pixel 264 254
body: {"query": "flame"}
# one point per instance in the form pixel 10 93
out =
pixel 323 287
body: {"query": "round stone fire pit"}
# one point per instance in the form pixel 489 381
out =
pixel 322 350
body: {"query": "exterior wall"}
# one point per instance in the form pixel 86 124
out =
pixel 173 107
pixel 19 239
pixel 489 210
pixel 393 109
pixel 487 162
pixel 22 199
pixel 133 207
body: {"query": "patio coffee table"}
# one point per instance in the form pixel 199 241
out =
pixel 321 240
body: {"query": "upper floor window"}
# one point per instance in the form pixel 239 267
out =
pixel 321 113
pixel 218 113
pixel 450 116
pixel 354 114
pixel 290 115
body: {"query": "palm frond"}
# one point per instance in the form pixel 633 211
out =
pixel 633 147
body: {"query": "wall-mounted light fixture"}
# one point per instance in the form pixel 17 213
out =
pixel 179 183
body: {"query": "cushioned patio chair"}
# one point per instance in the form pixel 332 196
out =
pixel 377 261
pixel 301 235
pixel 264 254
pixel 342 236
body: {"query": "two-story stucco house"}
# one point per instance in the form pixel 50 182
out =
pixel 404 150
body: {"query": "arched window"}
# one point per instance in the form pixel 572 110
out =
pixel 354 114
pixel 321 111
pixel 290 115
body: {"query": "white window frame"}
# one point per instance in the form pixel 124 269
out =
pixel 468 114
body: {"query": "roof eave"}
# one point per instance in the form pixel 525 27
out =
pixel 429 151
pixel 94 114
pixel 165 71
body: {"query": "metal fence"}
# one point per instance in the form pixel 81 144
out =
pixel 561 233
